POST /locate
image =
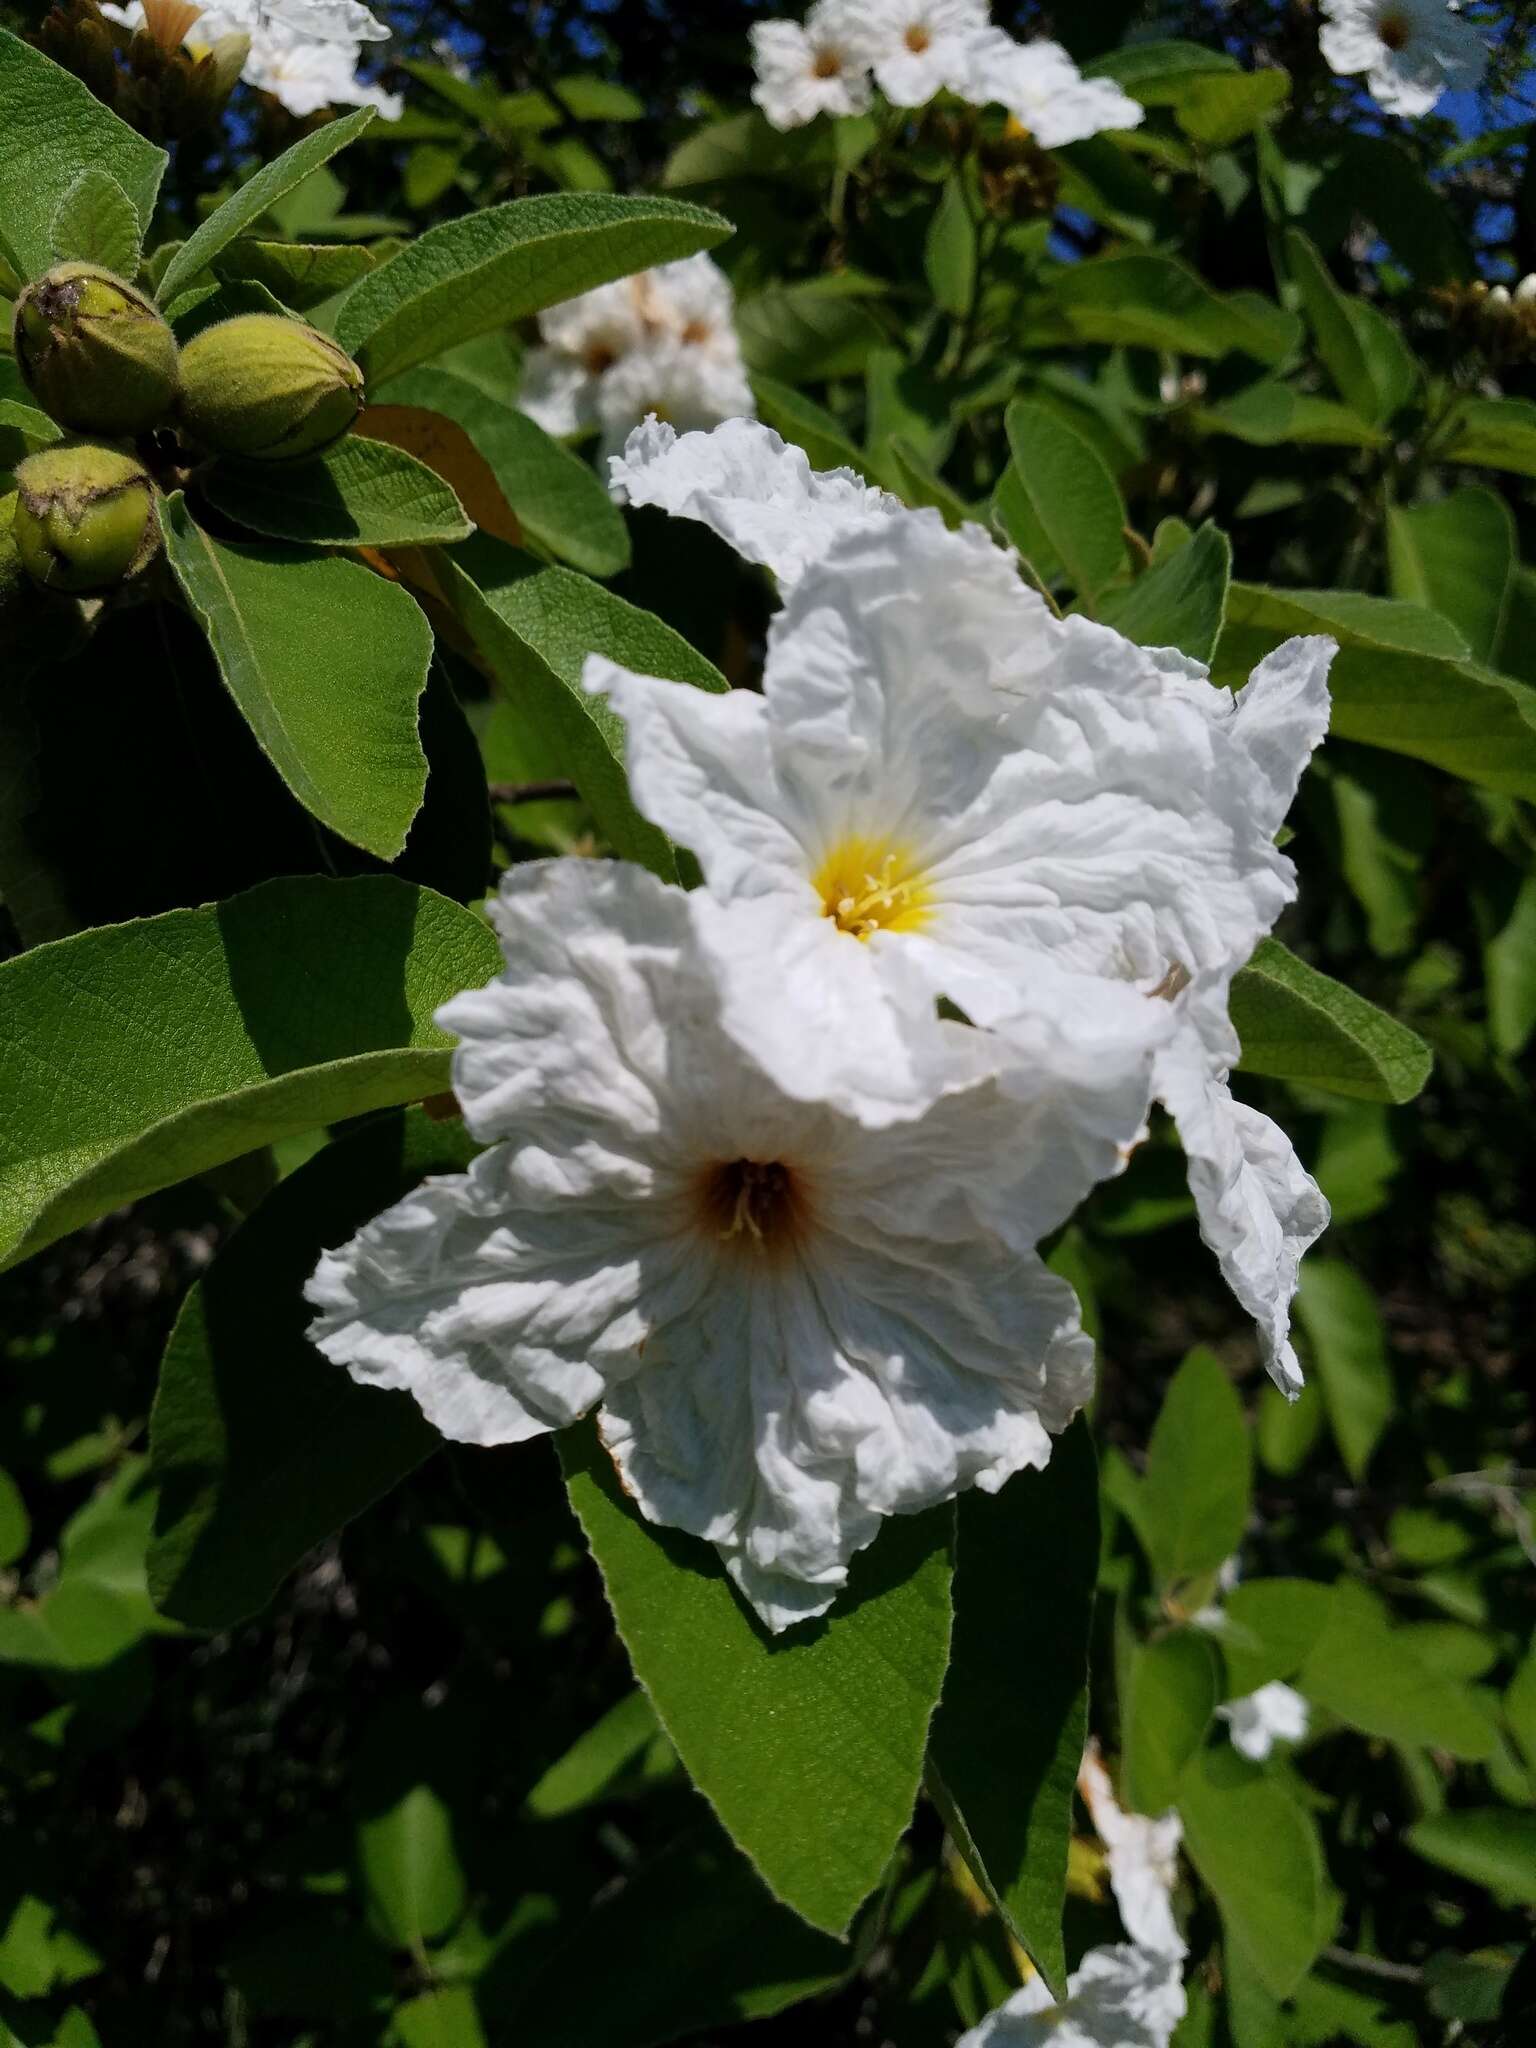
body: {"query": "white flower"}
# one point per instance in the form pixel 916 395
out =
pixel 1044 91
pixel 1143 1856
pixel 1275 1713
pixel 822 68
pixel 1121 1997
pixel 1069 836
pixel 318 21
pixel 921 47
pixel 791 1325
pixel 1411 51
pixel 304 73
pixel 662 342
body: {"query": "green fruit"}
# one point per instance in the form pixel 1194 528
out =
pixel 267 388
pixel 95 353
pixel 11 572
pixel 85 518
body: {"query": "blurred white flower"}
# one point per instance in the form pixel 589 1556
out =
pixel 792 1324
pixel 1121 1997
pixel 822 68
pixel 318 21
pixel 1412 51
pixel 662 341
pixel 1143 1856
pixel 922 47
pixel 303 72
pixel 1275 1713
pixel 1069 836
pixel 1043 90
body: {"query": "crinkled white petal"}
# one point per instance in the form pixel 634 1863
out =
pixel 748 485
pixel 1120 1997
pixel 321 21
pixel 1275 1713
pixel 1043 89
pixel 1143 1856
pixel 1438 50
pixel 899 1342
pixel 1258 1207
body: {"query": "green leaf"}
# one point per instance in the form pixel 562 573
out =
pixel 805 332
pixel 949 256
pixel 1497 433
pixel 921 485
pixel 1074 499
pixel 536 627
pixel 1194 1498
pixel 1296 1024
pixel 53 125
pixel 731 1954
pixel 809 425
pixel 561 502
pixel 1396 682
pixel 597 1756
pixel 341 731
pixel 1172 1687
pixel 1268 1628
pixel 23 430
pixel 359 493
pixel 1259 1853
pixel 410 1872
pixel 1489 1845
pixel 1219 110
pixel 257 196
pixel 15 1523
pixel 486 269
pixel 745 146
pixel 1009 1733
pixel 96 222
pixel 1457 555
pixel 248 1414
pixel 1365 1671
pixel 108 1097
pixel 300 274
pixel 1270 414
pixel 1161 73
pixel 1348 1345
pixel 837 1709
pixel 1509 973
pixel 1328 312
pixel 1148 300
pixel 1520 1706
pixel 597 99
pixel 1180 601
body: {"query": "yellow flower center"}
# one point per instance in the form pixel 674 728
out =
pixel 1395 30
pixel 868 886
pixel 827 64
pixel 918 39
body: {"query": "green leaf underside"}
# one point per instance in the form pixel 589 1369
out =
pixel 536 626
pixel 560 500
pixel 359 493
pixel 248 1414
pixel 487 269
pixel 246 207
pixel 1296 1024
pixel 111 1094
pixel 829 1719
pixel 53 125
pixel 327 663
pixel 1008 1736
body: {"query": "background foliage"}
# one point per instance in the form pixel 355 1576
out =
pixel 266 1778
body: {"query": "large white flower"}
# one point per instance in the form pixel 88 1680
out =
pixel 1143 1857
pixel 1121 1997
pixel 791 1324
pixel 319 21
pixel 1068 836
pixel 1275 1713
pixel 663 341
pixel 1412 51
pixel 1043 89
pixel 921 47
pixel 822 68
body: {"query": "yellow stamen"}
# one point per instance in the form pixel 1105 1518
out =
pixel 867 886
